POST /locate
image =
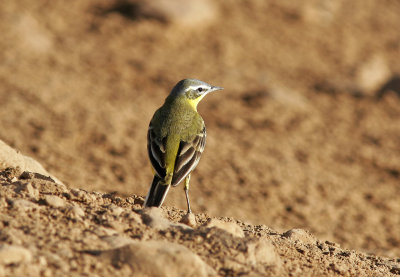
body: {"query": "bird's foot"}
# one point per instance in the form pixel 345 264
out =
pixel 189 219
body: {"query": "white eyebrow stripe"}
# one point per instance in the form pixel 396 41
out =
pixel 196 87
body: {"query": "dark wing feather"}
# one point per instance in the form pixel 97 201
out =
pixel 188 157
pixel 156 151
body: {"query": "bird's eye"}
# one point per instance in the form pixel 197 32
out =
pixel 200 89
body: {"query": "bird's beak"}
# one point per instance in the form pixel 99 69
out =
pixel 216 88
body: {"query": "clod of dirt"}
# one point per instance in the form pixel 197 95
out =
pixel 229 227
pixel 197 13
pixel 11 254
pixel 54 201
pixel 300 235
pixel 189 219
pixel 28 189
pixel 23 205
pixel 158 258
pixel 75 212
pixel 262 252
pixel 153 217
pixel 372 74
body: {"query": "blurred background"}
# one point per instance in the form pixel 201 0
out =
pixel 306 133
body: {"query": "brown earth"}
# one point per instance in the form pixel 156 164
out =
pixel 47 229
pixel 305 135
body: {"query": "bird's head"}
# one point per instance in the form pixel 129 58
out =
pixel 192 90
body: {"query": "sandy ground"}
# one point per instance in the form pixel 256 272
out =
pixel 305 135
pixel 50 230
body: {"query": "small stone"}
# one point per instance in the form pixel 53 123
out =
pixel 24 205
pixel 373 74
pixel 42 261
pixel 54 260
pixel 54 201
pixel 262 252
pixel 172 259
pixel 46 273
pixel 74 264
pixel 197 13
pixel 229 227
pixel 28 189
pixel 189 219
pixel 300 235
pixel 32 191
pixel 10 254
pixel 154 218
pixel 75 212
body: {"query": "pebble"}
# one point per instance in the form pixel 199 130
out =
pixel 10 254
pixel 28 189
pixel 189 219
pixel 229 227
pixel 300 235
pixel 372 74
pixel 76 212
pixel 196 13
pixel 172 259
pixel 262 252
pixel 154 218
pixel 54 201
pixel 24 205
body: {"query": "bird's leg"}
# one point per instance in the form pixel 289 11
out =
pixel 186 189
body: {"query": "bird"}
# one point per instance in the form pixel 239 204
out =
pixel 176 138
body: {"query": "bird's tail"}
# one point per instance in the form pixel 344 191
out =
pixel 157 193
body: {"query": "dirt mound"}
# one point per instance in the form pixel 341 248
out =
pixel 50 230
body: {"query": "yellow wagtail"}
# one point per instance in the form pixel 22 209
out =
pixel 176 139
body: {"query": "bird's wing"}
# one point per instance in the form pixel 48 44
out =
pixel 188 156
pixel 156 151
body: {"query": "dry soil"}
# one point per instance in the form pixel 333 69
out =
pixel 305 135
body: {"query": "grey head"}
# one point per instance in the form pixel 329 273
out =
pixel 193 88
